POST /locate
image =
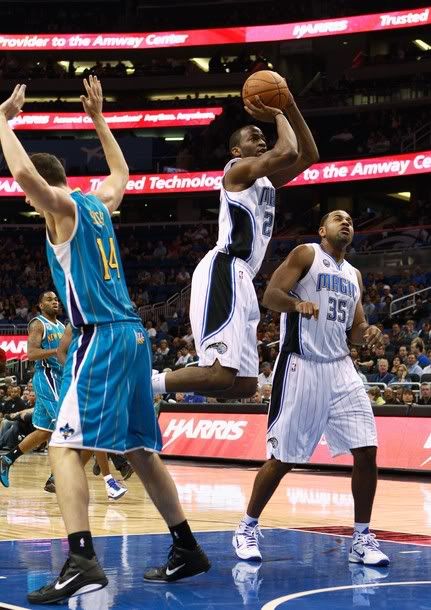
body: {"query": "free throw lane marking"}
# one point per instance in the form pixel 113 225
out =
pixel 275 603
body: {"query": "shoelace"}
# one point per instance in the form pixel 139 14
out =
pixel 368 540
pixel 251 534
pixel 113 483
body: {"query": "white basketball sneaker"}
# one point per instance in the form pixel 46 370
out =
pixel 114 490
pixel 245 541
pixel 365 549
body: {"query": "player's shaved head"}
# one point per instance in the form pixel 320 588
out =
pixel 325 218
pixel 235 139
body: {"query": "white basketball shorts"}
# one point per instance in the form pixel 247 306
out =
pixel 224 313
pixel 313 398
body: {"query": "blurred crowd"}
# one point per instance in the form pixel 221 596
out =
pixel 398 373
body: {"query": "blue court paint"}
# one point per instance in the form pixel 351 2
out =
pixel 294 562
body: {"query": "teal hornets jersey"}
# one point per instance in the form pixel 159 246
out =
pixel 87 270
pixel 52 333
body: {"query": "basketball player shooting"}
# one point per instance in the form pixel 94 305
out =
pixel 224 311
pixel 316 389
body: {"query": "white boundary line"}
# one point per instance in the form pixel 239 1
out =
pixel 284 529
pixel 350 535
pixel 4 606
pixel 273 604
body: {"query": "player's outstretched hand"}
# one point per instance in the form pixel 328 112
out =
pixel 308 309
pixel 373 337
pixel 93 102
pixel 259 111
pixel 13 105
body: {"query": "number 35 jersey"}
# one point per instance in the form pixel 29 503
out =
pixel 335 289
pixel 87 270
pixel 246 219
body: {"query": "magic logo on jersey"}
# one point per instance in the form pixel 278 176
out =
pixel 335 283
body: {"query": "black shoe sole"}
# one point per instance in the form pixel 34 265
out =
pixel 168 581
pixel 64 597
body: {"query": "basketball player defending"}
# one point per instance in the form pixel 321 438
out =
pixel 224 311
pixel 44 335
pixel 316 388
pixel 105 397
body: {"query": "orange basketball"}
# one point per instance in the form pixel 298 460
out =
pixel 269 86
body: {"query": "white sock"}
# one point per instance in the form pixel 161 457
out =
pixel 249 520
pixel 107 477
pixel 361 527
pixel 159 383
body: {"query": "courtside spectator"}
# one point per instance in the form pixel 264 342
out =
pixel 266 394
pixel 396 335
pixel 418 350
pixel 389 348
pixel 256 398
pixel 379 354
pixel 12 402
pixel 386 294
pixel 413 366
pixel 375 396
pixel 402 375
pixel 408 332
pixel 383 375
pixel 150 329
pixel 370 310
pixel 266 376
pixel 184 357
pixel 390 397
pixel 408 398
pixel 425 332
pixel 425 395
pixel 395 364
pixel 402 353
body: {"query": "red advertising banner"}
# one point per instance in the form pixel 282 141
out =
pixel 217 36
pixel 404 442
pixel 15 346
pixel 132 119
pixel 394 166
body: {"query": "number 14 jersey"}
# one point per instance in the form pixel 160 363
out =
pixel 87 270
pixel 246 220
pixel 335 289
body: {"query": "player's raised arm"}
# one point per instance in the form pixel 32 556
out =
pixel 277 294
pixel 307 149
pixel 112 189
pixel 284 153
pixel 41 195
pixel 361 332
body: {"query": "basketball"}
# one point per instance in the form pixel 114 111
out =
pixel 269 86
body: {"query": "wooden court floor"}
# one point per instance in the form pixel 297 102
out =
pixel 214 498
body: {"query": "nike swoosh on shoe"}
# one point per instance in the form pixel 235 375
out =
pixel 170 572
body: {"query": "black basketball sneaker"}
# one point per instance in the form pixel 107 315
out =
pixel 79 575
pixel 182 563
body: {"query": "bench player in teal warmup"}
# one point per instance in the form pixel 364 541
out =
pixel 106 398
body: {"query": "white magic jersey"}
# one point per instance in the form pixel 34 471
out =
pixel 246 220
pixel 335 288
